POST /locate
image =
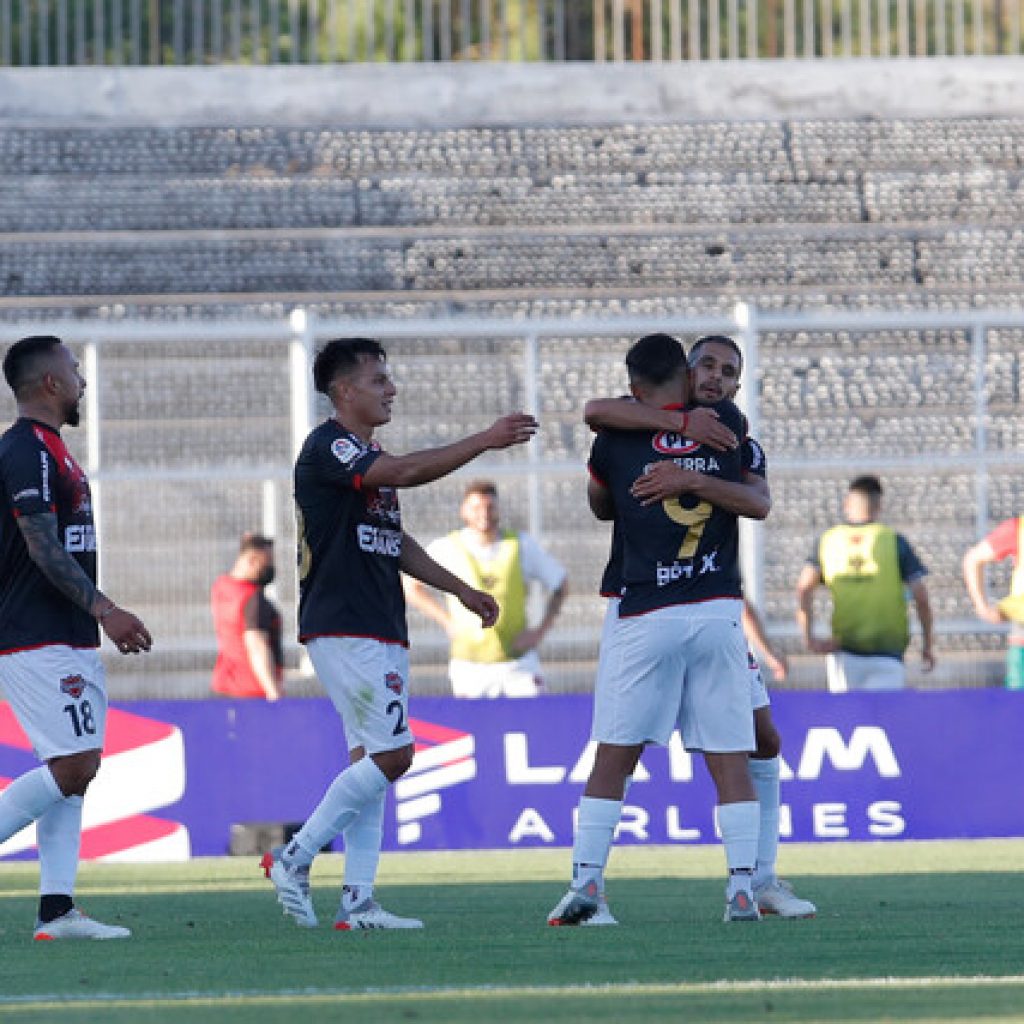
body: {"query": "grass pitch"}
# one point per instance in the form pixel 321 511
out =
pixel 909 932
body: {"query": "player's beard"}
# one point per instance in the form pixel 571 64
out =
pixel 74 415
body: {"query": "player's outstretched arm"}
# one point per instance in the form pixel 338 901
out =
pixel 975 561
pixel 126 631
pixel 701 424
pixel 665 480
pixel 415 562
pixel 423 467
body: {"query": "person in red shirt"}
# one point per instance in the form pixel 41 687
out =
pixel 250 659
pixel 1001 543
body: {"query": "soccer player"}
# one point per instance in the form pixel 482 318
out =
pixel 675 655
pixel 716 365
pixel 50 613
pixel 352 550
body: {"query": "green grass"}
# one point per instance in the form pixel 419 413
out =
pixel 909 932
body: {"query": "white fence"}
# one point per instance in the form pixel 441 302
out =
pixel 190 430
pixel 198 32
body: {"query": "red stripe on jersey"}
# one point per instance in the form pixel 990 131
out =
pixel 595 477
pixel 48 643
pixel 306 637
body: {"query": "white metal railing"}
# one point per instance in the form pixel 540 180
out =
pixel 180 32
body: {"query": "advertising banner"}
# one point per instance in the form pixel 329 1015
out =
pixel 504 774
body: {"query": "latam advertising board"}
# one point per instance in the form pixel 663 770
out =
pixel 508 773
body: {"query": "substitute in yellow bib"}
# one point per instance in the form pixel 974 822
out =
pixel 868 569
pixel 1005 541
pixel 503 661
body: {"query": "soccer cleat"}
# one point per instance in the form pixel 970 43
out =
pixel 292 885
pixel 577 906
pixel 75 925
pixel 370 915
pixel 603 916
pixel 777 897
pixel 741 908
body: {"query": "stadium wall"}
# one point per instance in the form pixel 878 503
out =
pixel 455 95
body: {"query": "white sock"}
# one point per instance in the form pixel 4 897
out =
pixel 346 796
pixel 738 824
pixel 25 799
pixel 594 832
pixel 764 773
pixel 362 851
pixel 59 835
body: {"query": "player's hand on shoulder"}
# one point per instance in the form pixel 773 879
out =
pixel 126 631
pixel 516 428
pixel 663 480
pixel 480 603
pixel 704 426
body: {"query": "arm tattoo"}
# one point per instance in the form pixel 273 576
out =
pixel 46 550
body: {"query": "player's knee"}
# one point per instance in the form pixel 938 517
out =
pixel 769 743
pixel 74 773
pixel 395 763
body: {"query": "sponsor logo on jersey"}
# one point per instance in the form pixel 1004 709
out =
pixel 346 451
pixel 756 454
pixel 393 681
pixel 378 541
pixel 668 442
pixel 73 686
pixel 44 469
pixel 383 504
pixel 79 538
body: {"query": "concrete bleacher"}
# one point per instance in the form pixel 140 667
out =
pixel 678 217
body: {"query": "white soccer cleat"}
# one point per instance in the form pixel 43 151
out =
pixel 577 906
pixel 603 916
pixel 75 925
pixel 371 915
pixel 292 885
pixel 777 897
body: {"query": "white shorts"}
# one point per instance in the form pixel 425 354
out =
pixel 682 667
pixel 59 696
pixel 368 683
pixel 758 691
pixel 519 678
pixel 848 671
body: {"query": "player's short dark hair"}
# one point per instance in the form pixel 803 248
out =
pixel 341 356
pixel 869 486
pixel 25 358
pixel 486 487
pixel 254 542
pixel 655 359
pixel 714 339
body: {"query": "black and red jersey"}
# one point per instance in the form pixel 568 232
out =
pixel 679 551
pixel 350 541
pixel 39 475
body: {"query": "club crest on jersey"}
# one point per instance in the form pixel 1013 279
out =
pixel 393 681
pixel 73 686
pixel 345 450
pixel 668 442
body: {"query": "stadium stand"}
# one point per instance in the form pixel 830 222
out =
pixel 683 219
